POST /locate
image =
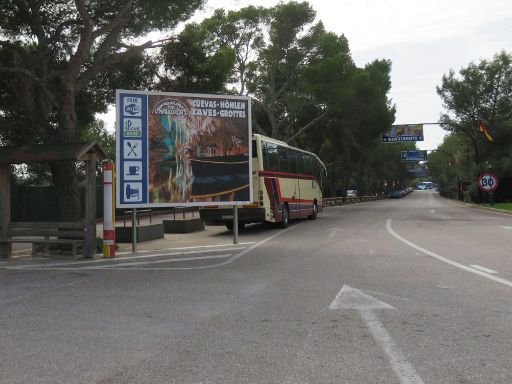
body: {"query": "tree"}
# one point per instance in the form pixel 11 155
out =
pixel 193 62
pixel 52 55
pixel 482 92
pixel 242 31
pixel 273 77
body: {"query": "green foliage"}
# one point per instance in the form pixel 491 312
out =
pixel 62 59
pixel 193 62
pixel 483 92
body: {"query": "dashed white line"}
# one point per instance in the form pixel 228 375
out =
pixel 446 260
pixel 483 268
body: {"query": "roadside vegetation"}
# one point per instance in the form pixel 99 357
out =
pixel 61 61
pixel 480 93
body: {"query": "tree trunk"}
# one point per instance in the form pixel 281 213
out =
pixel 66 187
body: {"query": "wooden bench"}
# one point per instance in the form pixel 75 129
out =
pixel 44 234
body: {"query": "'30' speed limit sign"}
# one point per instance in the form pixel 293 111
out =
pixel 488 182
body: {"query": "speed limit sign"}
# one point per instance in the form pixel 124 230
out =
pixel 488 182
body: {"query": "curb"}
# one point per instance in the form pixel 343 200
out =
pixel 476 206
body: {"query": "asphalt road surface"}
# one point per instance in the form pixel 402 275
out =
pixel 414 290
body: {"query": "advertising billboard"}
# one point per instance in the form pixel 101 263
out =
pixel 403 133
pixel 175 149
pixel 414 156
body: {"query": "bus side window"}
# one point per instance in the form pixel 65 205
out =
pixel 301 169
pixel 308 164
pixel 292 157
pixel 317 171
pixel 272 157
pixel 283 160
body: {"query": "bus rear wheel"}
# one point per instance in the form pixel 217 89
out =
pixel 241 225
pixel 285 218
pixel 314 215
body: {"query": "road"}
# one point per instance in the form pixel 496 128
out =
pixel 415 290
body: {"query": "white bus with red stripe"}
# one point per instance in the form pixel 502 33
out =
pixel 287 185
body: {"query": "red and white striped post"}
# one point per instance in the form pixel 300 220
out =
pixel 109 233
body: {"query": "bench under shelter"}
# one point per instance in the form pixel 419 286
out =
pixel 42 235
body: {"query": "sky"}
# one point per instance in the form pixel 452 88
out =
pixel 423 39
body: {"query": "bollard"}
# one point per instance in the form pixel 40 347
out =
pixel 109 233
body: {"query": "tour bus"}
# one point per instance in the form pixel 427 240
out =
pixel 287 185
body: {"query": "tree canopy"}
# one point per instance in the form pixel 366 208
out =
pixel 61 61
pixel 480 93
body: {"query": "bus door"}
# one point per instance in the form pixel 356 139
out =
pixel 294 171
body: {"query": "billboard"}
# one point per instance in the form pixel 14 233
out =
pixel 175 149
pixel 401 133
pixel 414 156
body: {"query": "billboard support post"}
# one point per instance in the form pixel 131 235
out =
pixel 134 230
pixel 235 224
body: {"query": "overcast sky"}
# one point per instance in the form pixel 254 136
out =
pixel 423 39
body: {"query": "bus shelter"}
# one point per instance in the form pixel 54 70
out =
pixel 90 153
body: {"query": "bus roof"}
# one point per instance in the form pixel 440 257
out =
pixel 284 144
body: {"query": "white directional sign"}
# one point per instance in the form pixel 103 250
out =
pixel 488 182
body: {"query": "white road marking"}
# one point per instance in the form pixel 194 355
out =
pixel 446 260
pixel 254 246
pixel 351 298
pixel 114 260
pixel 141 263
pixel 114 267
pixel 483 268
pixel 183 248
pixel 333 232
pixel 432 211
pixel 506 226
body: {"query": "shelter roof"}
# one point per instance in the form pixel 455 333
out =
pixel 38 153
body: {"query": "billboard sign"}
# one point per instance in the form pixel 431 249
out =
pixel 414 156
pixel 403 133
pixel 175 149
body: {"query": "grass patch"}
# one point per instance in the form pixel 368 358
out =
pixel 506 206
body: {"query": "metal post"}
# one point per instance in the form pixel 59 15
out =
pixel 5 209
pixel 134 230
pixel 109 233
pixel 235 224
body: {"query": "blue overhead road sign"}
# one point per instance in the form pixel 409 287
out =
pixel 414 156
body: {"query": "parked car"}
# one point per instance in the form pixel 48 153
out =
pixel 351 192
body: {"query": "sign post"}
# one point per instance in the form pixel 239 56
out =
pixel 235 224
pixel 488 182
